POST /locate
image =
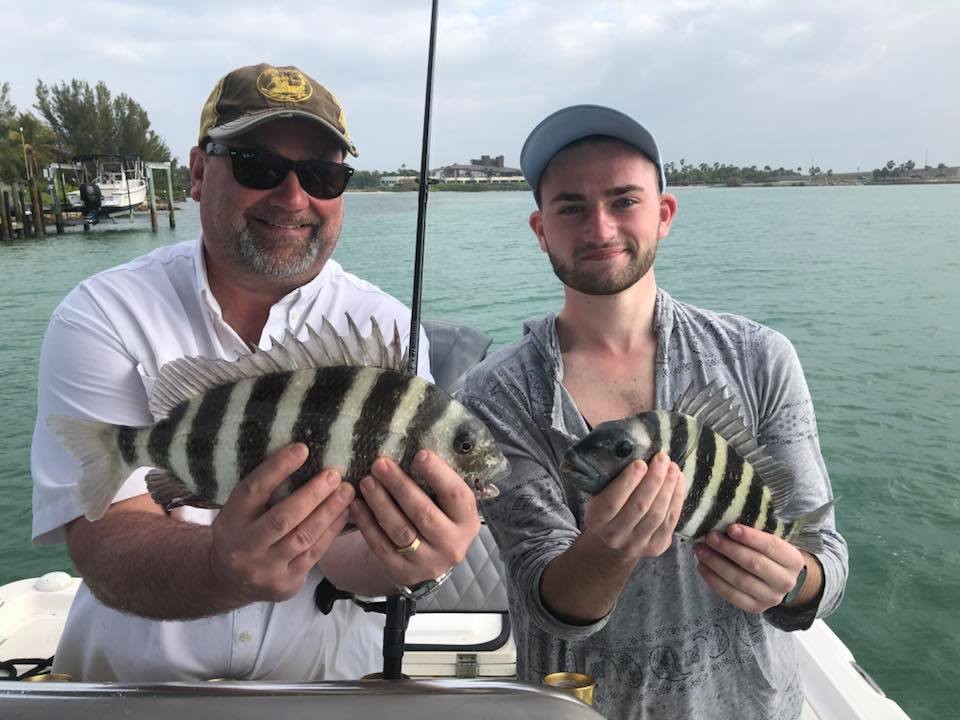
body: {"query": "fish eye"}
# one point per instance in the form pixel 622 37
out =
pixel 624 449
pixel 465 442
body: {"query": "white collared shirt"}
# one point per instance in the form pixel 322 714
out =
pixel 101 354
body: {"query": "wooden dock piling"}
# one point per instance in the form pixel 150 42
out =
pixel 167 168
pixel 6 232
pixel 20 212
pixel 57 210
pixel 151 200
pixel 38 219
pixel 173 220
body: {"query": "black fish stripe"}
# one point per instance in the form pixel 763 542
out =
pixel 202 440
pixel 434 404
pixel 732 477
pixel 703 460
pixel 751 506
pixel 127 443
pixel 372 427
pixel 320 408
pixel 678 437
pixel 261 408
pixel 770 523
pixel 158 445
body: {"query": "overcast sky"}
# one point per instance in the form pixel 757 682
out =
pixel 839 83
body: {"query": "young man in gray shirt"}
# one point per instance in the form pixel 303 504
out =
pixel 601 584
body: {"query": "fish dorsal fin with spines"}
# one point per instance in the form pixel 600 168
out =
pixel 364 354
pixel 381 344
pixel 711 405
pixel 395 345
pixel 185 378
pixel 336 347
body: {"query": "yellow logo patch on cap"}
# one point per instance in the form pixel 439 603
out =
pixel 284 85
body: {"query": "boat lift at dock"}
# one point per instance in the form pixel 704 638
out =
pixel 23 213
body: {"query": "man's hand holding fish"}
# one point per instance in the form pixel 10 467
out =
pixel 396 513
pixel 631 518
pixel 755 570
pixel 266 555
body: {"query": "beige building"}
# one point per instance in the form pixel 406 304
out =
pixel 483 170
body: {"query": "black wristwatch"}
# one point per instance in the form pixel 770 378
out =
pixel 421 590
pixel 792 595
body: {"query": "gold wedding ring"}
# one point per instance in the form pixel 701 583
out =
pixel 409 549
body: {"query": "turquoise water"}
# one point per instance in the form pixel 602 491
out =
pixel 864 280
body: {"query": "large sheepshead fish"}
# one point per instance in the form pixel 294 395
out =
pixel 349 399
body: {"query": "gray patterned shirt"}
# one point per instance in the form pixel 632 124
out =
pixel 670 648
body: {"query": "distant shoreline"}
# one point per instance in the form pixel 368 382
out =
pixel 833 183
pixel 502 187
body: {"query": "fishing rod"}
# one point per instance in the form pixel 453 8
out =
pixel 422 200
pixel 400 608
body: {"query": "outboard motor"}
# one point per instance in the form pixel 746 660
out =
pixel 91 197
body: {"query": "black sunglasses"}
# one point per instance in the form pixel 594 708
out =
pixel 264 170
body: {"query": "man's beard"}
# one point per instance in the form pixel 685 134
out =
pixel 265 257
pixel 594 283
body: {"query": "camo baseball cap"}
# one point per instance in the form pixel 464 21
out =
pixel 255 94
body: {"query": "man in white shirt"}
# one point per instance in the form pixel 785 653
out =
pixel 194 594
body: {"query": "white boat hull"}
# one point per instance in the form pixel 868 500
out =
pixel 115 198
pixel 33 612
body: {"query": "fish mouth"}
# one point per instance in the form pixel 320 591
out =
pixel 484 485
pixel 578 467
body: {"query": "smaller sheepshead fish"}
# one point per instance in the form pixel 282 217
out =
pixel 349 399
pixel 729 478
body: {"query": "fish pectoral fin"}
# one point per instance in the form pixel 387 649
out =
pixel 169 491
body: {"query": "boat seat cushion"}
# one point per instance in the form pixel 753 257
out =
pixel 477 584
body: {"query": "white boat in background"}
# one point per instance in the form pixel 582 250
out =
pixel 118 184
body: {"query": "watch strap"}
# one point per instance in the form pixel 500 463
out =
pixel 792 595
pixel 421 590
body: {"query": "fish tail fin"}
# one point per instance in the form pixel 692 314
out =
pixel 805 532
pixel 102 469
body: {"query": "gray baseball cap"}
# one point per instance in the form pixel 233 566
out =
pixel 572 123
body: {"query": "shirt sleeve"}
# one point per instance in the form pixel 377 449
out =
pixel 530 519
pixel 788 430
pixel 84 372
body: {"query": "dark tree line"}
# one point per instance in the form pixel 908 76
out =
pixel 88 120
pixel 718 173
pixel 892 171
pixel 74 119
